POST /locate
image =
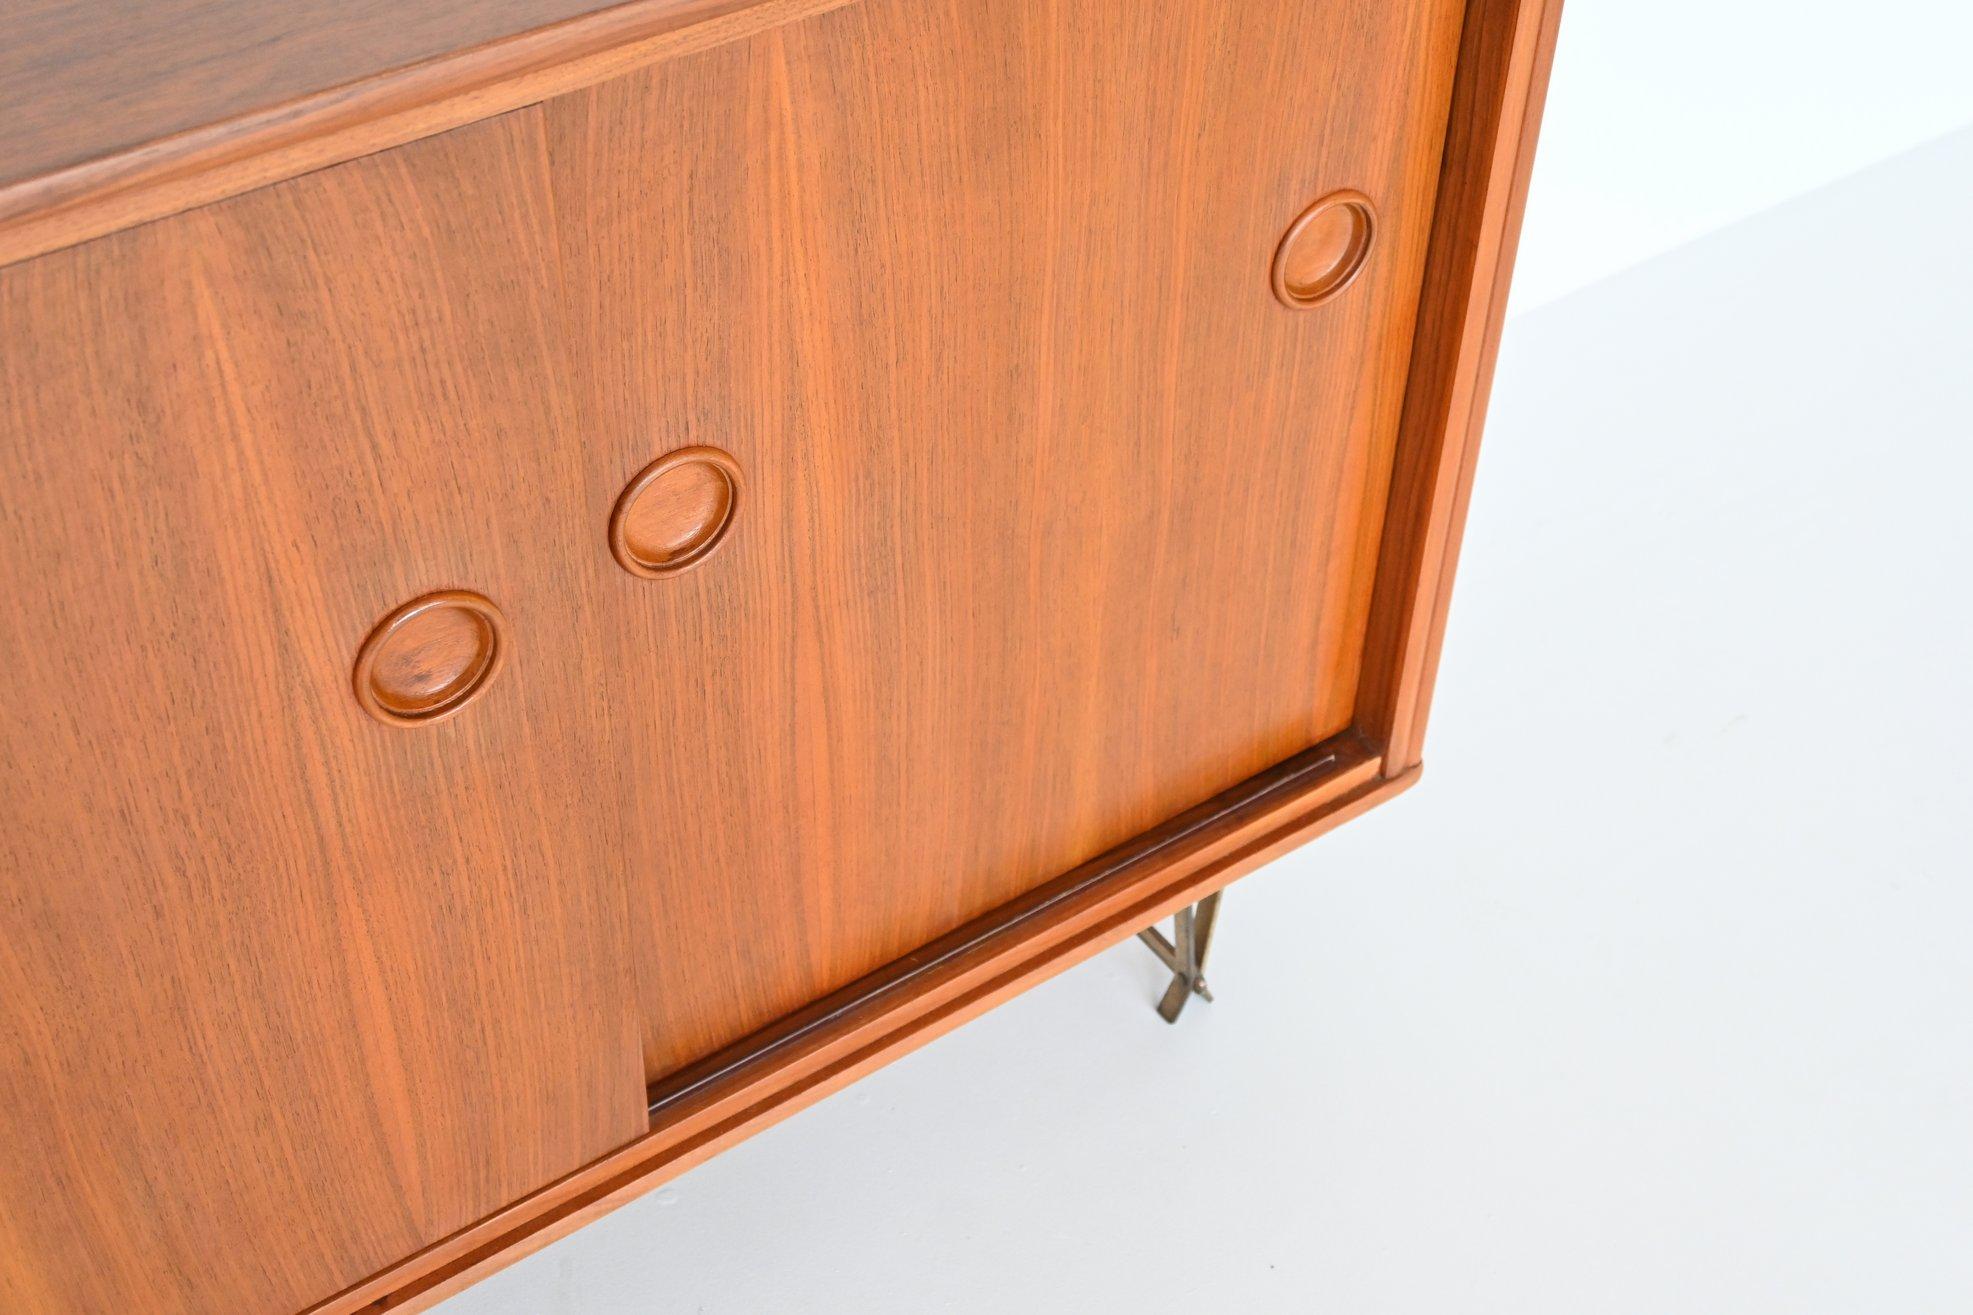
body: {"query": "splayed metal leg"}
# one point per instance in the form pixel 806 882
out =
pixel 1185 954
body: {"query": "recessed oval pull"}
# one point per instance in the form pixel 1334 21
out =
pixel 675 512
pixel 430 658
pixel 1324 249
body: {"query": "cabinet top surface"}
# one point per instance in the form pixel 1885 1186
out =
pixel 81 80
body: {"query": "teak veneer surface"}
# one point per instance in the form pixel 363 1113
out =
pixel 1014 512
pixel 1057 521
pixel 287 993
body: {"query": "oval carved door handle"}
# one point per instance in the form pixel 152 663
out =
pixel 1324 249
pixel 430 658
pixel 675 512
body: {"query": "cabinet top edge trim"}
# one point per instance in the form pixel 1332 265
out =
pixel 63 206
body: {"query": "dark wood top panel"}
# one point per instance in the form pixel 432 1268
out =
pixel 115 112
pixel 81 79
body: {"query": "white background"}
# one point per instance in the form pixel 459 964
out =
pixel 1670 118
pixel 1657 994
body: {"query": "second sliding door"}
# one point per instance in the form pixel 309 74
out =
pixel 1054 503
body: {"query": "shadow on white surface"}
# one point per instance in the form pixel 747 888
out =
pixel 1655 996
pixel 1669 120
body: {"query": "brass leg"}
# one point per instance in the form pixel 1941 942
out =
pixel 1185 955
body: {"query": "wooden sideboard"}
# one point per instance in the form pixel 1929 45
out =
pixel 577 578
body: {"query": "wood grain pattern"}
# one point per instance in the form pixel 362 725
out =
pixel 112 114
pixel 288 994
pixel 1013 950
pixel 1504 59
pixel 1057 521
pixel 1488 155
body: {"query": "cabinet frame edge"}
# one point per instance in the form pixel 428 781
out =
pixel 1189 857
pixel 1506 48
